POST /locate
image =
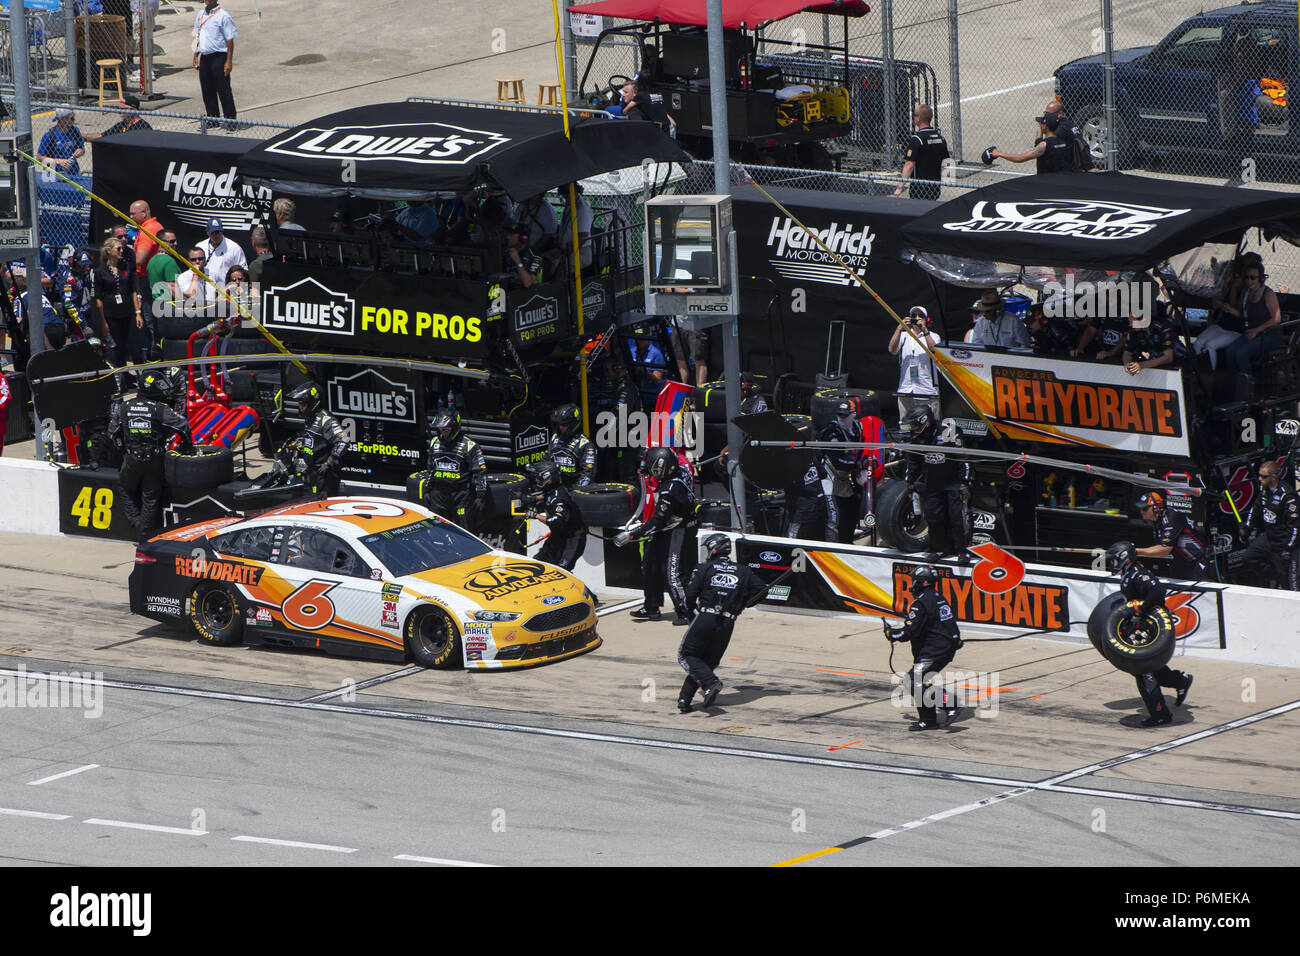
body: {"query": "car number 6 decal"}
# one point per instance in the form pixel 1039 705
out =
pixel 308 607
pixel 375 509
pixel 998 571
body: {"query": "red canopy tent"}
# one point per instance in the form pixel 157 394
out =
pixel 735 13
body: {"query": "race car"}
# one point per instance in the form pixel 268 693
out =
pixel 363 577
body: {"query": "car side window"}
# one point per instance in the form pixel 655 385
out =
pixel 1196 49
pixel 312 550
pixel 254 543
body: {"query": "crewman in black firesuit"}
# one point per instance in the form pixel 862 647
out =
pixel 668 532
pixel 1138 584
pixel 845 467
pixel 810 504
pixel 943 482
pixel 931 626
pixel 141 429
pixel 321 443
pixel 1274 520
pixel 1174 538
pixel 719 590
pixel 456 487
pixel 571 450
pixel 566 531
pixel 614 394
pixel 752 400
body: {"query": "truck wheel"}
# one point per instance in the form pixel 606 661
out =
pixel 1092 126
pixel 897 521
pixel 214 612
pixel 1135 649
pixel 431 638
pixel 605 506
pixel 206 467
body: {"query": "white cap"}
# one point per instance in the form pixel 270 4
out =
pixel 918 308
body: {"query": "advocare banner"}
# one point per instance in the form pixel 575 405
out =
pixel 361 312
pixel 1087 404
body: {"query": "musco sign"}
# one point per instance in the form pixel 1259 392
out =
pixel 309 306
pixel 368 394
pixel 422 144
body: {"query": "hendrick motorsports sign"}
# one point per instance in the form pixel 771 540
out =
pixel 425 144
pixel 794 253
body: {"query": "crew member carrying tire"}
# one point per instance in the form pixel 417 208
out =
pixel 668 532
pixel 456 487
pixel 943 482
pixel 845 468
pixel 1150 616
pixel 931 626
pixel 1174 538
pixel 719 590
pixel 1274 521
pixel 566 531
pixel 141 430
pixel 571 450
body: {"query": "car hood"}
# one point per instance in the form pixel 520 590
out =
pixel 499 582
pixel 1099 60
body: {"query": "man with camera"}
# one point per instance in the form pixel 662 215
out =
pixel 916 378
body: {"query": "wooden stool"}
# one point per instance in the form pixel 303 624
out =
pixel 104 67
pixel 510 89
pixel 548 94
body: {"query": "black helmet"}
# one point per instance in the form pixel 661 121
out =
pixel 1120 554
pixel 924 577
pixel 154 384
pixel 919 421
pixel 748 387
pixel 565 419
pixel 661 464
pixel 304 400
pixel 545 473
pixel 717 546
pixel 446 424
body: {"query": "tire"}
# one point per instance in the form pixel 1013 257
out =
pixel 803 424
pixel 824 401
pixel 254 345
pixel 431 638
pixel 413 486
pixel 180 327
pixel 215 614
pixel 715 512
pixel 711 402
pixel 207 467
pixel 1111 630
pixel 502 488
pixel 1091 121
pixel 606 505
pixel 899 525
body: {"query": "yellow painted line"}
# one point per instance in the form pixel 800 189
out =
pixel 809 856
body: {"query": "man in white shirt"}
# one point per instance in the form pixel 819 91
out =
pixel 916 380
pixel 221 253
pixel 191 290
pixel 214 57
pixel 585 219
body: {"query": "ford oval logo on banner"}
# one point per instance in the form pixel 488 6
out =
pixel 551 599
pixel 769 557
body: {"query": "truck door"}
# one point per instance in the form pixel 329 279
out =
pixel 1175 91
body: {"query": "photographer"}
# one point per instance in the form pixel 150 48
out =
pixel 916 384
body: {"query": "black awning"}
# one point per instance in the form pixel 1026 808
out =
pixel 1096 220
pixel 414 150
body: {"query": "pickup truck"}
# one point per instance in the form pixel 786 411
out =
pixel 1171 99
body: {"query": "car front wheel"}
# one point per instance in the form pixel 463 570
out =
pixel 431 638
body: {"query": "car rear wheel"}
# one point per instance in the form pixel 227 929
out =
pixel 431 638
pixel 214 612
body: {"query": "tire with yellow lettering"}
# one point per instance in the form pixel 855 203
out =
pixel 896 518
pixel 205 467
pixel 715 512
pixel 214 612
pixel 803 424
pixel 1135 644
pixel 431 637
pixel 502 489
pixel 415 484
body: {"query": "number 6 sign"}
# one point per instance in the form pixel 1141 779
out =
pixel 997 571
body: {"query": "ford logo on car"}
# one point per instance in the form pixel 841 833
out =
pixel 552 599
pixel 769 557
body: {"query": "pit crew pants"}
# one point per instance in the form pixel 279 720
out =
pixel 806 514
pixel 663 565
pixel 946 518
pixel 848 509
pixel 456 506
pixel 1149 688
pixel 701 650
pixel 1262 557
pixel 925 673
pixel 563 551
pixel 142 484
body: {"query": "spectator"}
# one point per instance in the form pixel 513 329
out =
pixel 145 246
pixel 584 218
pixel 163 270
pixel 220 252
pixel 652 70
pixel 1108 332
pixel 56 333
pixel 1050 153
pixel 1051 335
pixel 1149 347
pixel 418 220
pixel 118 300
pixel 63 144
pixel 130 120
pixel 339 225
pixel 650 364
pixel 1226 327
pixel 285 209
pixel 536 216
pixel 1261 314
pixel 926 151
pixel 997 328
pixel 1080 151
pixel 916 379
pixel 214 58
pixel 261 252
pixel 239 289
pixel 191 287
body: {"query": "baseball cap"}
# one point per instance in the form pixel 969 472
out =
pixel 62 112
pixel 1050 120
pixel 919 310
pixel 214 225
pixel 131 100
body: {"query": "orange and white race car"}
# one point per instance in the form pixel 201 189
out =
pixel 365 577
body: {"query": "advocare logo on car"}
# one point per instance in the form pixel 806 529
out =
pixel 195 196
pixel 1074 218
pixel 794 254
pixel 367 394
pixel 308 306
pixel 510 576
pixel 423 144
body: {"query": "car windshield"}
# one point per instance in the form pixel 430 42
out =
pixel 422 545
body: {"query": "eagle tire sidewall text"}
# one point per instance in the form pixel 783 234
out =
pixel 206 604
pixel 444 656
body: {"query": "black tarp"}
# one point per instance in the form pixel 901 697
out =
pixel 405 151
pixel 1096 221
pixel 187 179
pixel 807 290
